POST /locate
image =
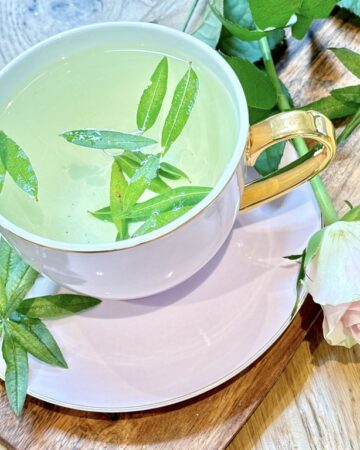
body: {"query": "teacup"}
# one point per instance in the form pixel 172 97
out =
pixel 157 261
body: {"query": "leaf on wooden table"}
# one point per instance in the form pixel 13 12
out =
pixel 348 94
pixel 350 59
pixel 331 107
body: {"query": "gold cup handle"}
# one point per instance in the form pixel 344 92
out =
pixel 282 127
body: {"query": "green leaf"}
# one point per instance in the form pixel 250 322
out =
pixel 107 139
pixel 157 221
pixel 2 175
pixel 275 14
pixel 18 165
pixel 313 246
pixel 332 108
pixel 129 167
pixel 300 28
pixel 351 5
pixel 350 59
pixel 293 257
pixel 347 94
pixel 208 27
pixel 3 299
pixel 286 168
pixel 118 187
pixel 56 306
pixel 353 215
pixel 141 180
pixel 17 276
pixel 239 12
pixel 299 280
pixel 103 214
pixel 350 127
pixel 181 106
pixel 153 97
pixel 236 29
pixel 269 160
pixel 317 9
pixel 257 115
pixel 264 96
pixel 16 375
pixel 17 298
pixel 171 172
pixel 171 200
pixel 36 339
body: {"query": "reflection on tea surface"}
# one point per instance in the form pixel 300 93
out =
pixel 101 89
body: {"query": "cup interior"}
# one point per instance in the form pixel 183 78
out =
pixel 16 212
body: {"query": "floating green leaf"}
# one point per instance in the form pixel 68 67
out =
pixel 264 95
pixel 16 375
pixel 275 14
pixel 103 214
pixel 36 339
pixel 239 12
pixel 17 165
pixel 157 221
pixel 269 160
pixel 174 199
pixel 348 94
pixel 141 180
pixel 181 106
pixel 153 97
pixel 107 139
pixel 237 30
pixel 129 167
pixel 350 59
pixel 118 187
pixel 2 175
pixel 331 107
pixel 56 306
pixel 171 172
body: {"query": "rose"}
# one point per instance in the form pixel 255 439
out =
pixel 332 263
pixel 341 324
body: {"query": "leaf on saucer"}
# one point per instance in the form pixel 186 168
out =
pixel 17 165
pixel 153 97
pixel 36 339
pixel 107 139
pixel 182 104
pixel 16 375
pixel 56 306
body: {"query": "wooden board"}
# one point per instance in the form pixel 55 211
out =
pixel 212 420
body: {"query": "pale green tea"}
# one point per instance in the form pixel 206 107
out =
pixel 101 89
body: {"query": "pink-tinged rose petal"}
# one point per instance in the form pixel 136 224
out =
pixel 341 324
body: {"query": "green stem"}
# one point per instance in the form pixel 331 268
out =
pixel 326 206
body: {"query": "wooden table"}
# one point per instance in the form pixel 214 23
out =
pixel 313 404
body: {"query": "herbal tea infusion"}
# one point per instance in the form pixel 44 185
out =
pixel 122 142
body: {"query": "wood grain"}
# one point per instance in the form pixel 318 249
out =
pixel 212 420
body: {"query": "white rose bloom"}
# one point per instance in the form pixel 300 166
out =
pixel 333 273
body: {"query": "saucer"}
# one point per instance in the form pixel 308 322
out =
pixel 141 354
